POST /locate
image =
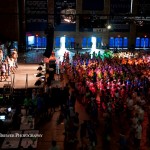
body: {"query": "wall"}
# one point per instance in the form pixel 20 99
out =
pixel 9 26
pixel 79 35
pixel 14 29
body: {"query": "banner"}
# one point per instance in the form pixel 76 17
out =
pixel 36 15
pixel 100 30
pixel 120 28
pixel 119 25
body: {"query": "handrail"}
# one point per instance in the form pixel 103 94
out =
pixel 11 82
pixel 26 84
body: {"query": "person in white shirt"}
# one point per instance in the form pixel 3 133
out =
pixel 15 57
pixel 11 64
pixel 57 65
pixel 1 55
pixel 141 114
pixel 3 72
pixel 138 135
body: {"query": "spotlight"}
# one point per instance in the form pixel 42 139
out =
pixel 109 27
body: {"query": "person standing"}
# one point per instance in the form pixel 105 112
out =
pixel 54 146
pixel 57 67
pixel 15 57
pixel 138 135
pixel 1 55
pixel 3 72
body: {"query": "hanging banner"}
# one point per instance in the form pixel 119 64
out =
pixel 100 30
pixel 120 28
pixel 36 15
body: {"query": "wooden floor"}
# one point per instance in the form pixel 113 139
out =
pixel 19 77
pixel 52 131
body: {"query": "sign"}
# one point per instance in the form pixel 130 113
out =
pixel 100 30
pixel 36 15
pixel 85 29
pixel 120 27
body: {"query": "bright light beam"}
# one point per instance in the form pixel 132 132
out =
pixel 62 42
pixel 93 43
pixel 93 49
pixel 62 49
pixel 131 6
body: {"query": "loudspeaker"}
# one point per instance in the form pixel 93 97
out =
pixel 39 68
pixel 39 74
pixel 50 41
pixel 38 82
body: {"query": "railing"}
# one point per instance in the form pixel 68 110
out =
pixel 26 83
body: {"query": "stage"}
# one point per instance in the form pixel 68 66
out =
pixel 20 78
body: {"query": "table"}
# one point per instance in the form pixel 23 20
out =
pixel 11 142
pixel 30 141
pixel 9 115
pixel 27 122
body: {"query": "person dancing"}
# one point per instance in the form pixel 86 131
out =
pixel 15 57
pixel 1 55
pixel 11 65
pixel 3 72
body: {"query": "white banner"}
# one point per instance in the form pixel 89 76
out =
pixel 99 30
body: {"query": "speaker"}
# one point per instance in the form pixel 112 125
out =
pixel 38 82
pixel 50 41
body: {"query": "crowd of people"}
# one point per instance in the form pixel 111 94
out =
pixel 118 87
pixel 8 64
pixel 121 86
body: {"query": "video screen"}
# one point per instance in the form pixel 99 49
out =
pixel 31 40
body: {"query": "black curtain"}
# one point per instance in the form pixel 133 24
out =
pixel 50 41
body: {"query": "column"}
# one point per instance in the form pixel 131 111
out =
pixel 51 11
pixel 132 36
pixel 106 11
pixel 78 38
pixel 21 22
